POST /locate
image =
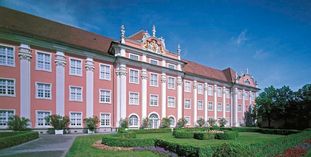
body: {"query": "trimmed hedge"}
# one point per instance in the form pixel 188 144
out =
pixel 180 150
pixel 18 138
pixel 227 135
pixel 147 131
pixel 182 134
pixel 203 135
pixel 266 131
pixel 127 142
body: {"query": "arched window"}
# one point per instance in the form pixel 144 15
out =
pixel 247 82
pixel 154 121
pixel 133 121
pixel 172 122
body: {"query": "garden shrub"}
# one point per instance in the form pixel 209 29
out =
pixel 201 122
pixel 18 138
pixel 181 123
pixel 17 123
pixel 91 123
pixel 182 134
pixel 227 135
pixel 203 135
pixel 165 123
pixel 127 142
pixel 126 135
pixel 147 131
pixel 231 150
pixel 58 122
pixel 181 150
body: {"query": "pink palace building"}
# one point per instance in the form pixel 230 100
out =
pixel 50 68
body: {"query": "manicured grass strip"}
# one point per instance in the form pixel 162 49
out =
pixel 18 138
pixel 127 142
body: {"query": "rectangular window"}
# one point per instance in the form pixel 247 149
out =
pixel 75 119
pixel 105 72
pixel 240 94
pixel 41 118
pixel 104 96
pixel 187 86
pixel 133 98
pixel 43 61
pixel 75 94
pixel 240 108
pixel 210 91
pixel 105 119
pixel 7 56
pixel 187 104
pixel 4 117
pixel 246 96
pixel 153 79
pixel 200 105
pixel 210 106
pixel 219 92
pixel 228 108
pixel 219 107
pixel 153 61
pixel 7 87
pixel 43 90
pixel 171 101
pixel 134 57
pixel 134 76
pixel 171 66
pixel 187 118
pixel 227 94
pixel 75 67
pixel 154 100
pixel 171 83
pixel 200 88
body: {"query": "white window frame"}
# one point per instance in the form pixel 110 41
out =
pixel 102 77
pixel 240 107
pixel 171 116
pixel 219 108
pixel 44 122
pixel 210 90
pixel 246 95
pixel 227 107
pixel 131 103
pixel 110 97
pixel 185 86
pixel 75 121
pixel 227 94
pixel 240 94
pixel 6 87
pixel 6 56
pixel 157 100
pixel 100 121
pixel 173 66
pixel 77 59
pixel 37 91
pixel 210 103
pixel 7 117
pixel 131 54
pixel 157 80
pixel 188 121
pixel 131 81
pixel 133 126
pixel 202 106
pixel 153 60
pixel 200 88
pixel 168 102
pixel 168 82
pixel 70 93
pixel 189 103
pixel 219 92
pixel 37 61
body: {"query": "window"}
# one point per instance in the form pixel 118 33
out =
pixel 246 96
pixel 252 95
pixel 134 57
pixel 43 90
pixel 133 121
pixel 153 100
pixel 154 121
pixel 104 72
pixel 171 66
pixel 4 117
pixel 7 87
pixel 187 104
pixel 75 67
pixel 172 121
pixel 240 108
pixel 43 61
pixel 228 108
pixel 219 92
pixel 227 93
pixel 219 107
pixel 104 96
pixel 187 86
pixel 153 61
pixel 41 118
pixel 153 79
pixel 75 119
pixel 105 119
pixel 247 82
pixel 171 83
pixel 7 56
pixel 210 106
pixel 200 88
pixel 171 101
pixel 187 118
pixel 133 76
pixel 133 98
pixel 200 105
pixel 240 94
pixel 210 90
pixel 75 94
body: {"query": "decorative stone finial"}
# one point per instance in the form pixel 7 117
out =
pixel 178 50
pixel 153 31
pixel 122 31
pixel 246 70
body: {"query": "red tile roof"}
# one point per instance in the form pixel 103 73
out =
pixel 47 29
pixel 137 36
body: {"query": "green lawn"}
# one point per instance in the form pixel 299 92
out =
pixel 82 145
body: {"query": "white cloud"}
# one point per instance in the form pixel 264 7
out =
pixel 241 39
pixel 260 54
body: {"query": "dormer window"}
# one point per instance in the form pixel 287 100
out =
pixel 134 57
pixel 171 66
pixel 247 82
pixel 153 61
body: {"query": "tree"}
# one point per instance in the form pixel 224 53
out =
pixel 17 123
pixel 249 117
pixel 181 123
pixel 58 122
pixel 165 123
pixel 123 123
pixel 145 123
pixel 211 122
pixel 91 122
pixel 201 122
pixel 222 122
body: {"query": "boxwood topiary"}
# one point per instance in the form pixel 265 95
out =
pixel 203 135
pixel 182 134
pixel 127 142
pixel 227 135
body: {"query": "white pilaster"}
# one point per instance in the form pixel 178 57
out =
pixel 243 102
pixel 121 92
pixel 163 92
pixel 60 62
pixel 205 100
pixel 224 102
pixel 235 104
pixel 215 101
pixel 195 101
pixel 89 66
pixel 25 73
pixel 144 77
pixel 179 98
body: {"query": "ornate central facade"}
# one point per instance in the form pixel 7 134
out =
pixel 50 68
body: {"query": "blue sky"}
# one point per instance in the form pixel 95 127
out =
pixel 270 38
